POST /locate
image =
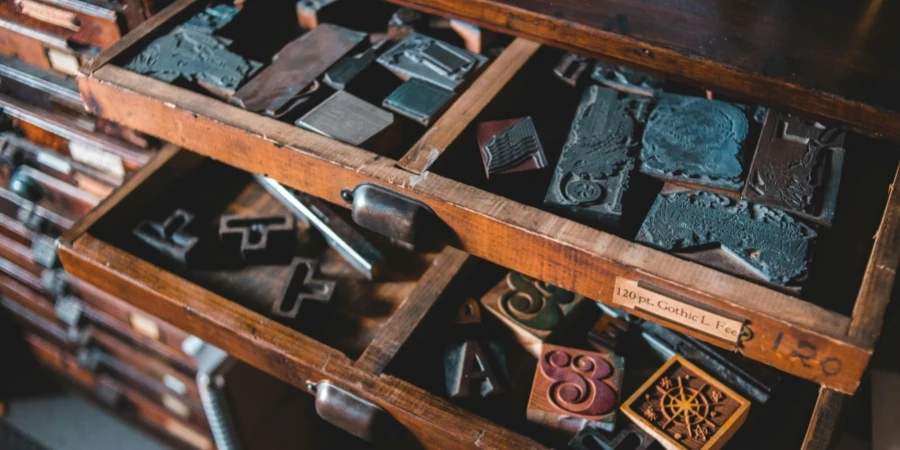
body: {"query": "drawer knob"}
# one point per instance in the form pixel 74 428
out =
pixel 352 414
pixel 391 214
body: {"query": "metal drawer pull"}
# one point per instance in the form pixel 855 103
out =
pixel 352 414
pixel 391 214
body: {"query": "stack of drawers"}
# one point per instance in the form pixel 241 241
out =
pixel 58 164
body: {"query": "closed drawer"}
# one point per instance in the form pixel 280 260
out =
pixel 93 24
pixel 821 334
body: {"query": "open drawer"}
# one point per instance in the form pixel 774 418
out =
pixel 346 345
pixel 814 338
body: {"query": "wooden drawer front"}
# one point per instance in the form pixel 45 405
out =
pixel 39 48
pixel 132 404
pixel 348 344
pixel 817 340
pixel 87 23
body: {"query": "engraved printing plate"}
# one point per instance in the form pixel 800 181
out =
pixel 697 141
pixel 686 409
pixel 509 146
pixel 346 118
pixel 596 162
pixel 431 60
pixel 624 79
pixel 418 100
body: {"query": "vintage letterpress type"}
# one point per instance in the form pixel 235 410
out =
pixel 431 60
pixel 418 100
pixel 469 312
pixel 595 166
pixel 349 67
pixel 212 19
pixel 607 333
pixel 627 80
pixel 697 141
pixel 302 287
pixel 192 53
pixel 171 237
pixel 751 379
pixel 509 146
pixel 532 309
pixel 571 68
pixel 347 118
pixel 797 167
pixel 629 437
pixel 310 12
pixel 474 370
pixel 685 408
pixel 765 241
pixel 574 387
pixel 294 68
pixel 259 238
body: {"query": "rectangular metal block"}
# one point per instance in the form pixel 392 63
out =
pixel 509 146
pixel 624 79
pixel 595 166
pixel 418 100
pixel 346 118
pixel 431 60
pixel 295 67
pixel 797 167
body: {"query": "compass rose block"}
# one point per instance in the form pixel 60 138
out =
pixel 684 408
pixel 574 387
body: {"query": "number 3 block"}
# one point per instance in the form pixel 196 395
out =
pixel 573 387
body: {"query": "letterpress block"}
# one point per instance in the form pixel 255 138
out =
pixel 697 141
pixel 192 53
pixel 212 19
pixel 431 60
pixel 310 12
pixel 418 100
pixel 607 333
pixel 571 68
pixel 170 237
pixel 302 287
pixel 260 238
pixel 468 313
pixel 403 23
pixel 597 160
pixel 627 80
pixel 765 241
pixel 347 69
pixel 509 146
pixel 347 118
pixel 575 387
pixel 294 68
pixel 684 408
pixel 628 438
pixel 532 309
pixel 797 167
pixel 474 370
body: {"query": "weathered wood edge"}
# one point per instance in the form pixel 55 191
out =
pixel 824 420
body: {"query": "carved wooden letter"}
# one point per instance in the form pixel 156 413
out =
pixel 470 371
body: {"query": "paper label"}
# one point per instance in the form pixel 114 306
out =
pixel 49 14
pixel 144 325
pixel 97 158
pixel 176 406
pixel 54 162
pixel 181 431
pixel 174 384
pixel 63 62
pixel 628 294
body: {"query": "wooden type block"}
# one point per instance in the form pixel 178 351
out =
pixel 476 39
pixel 302 287
pixel 259 238
pixel 628 438
pixel 191 52
pixel 765 241
pixel 797 167
pixel 625 79
pixel 684 408
pixel 170 237
pixel 571 68
pixel 294 68
pixel 474 369
pixel 595 166
pixel 309 12
pixel 347 118
pixel 574 387
pixel 607 333
pixel 418 100
pixel 469 312
pixel 431 60
pixel 509 146
pixel 697 141
pixel 403 23
pixel 532 309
